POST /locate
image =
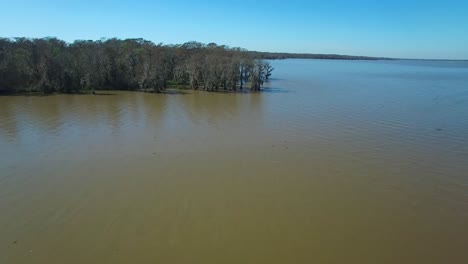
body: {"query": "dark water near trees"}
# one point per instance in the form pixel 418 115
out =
pixel 336 162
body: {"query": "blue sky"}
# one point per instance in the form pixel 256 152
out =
pixel 398 28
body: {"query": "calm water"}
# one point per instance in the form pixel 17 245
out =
pixel 336 162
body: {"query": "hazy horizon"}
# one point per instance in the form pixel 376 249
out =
pixel 396 29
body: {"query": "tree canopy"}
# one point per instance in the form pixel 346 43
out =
pixel 50 65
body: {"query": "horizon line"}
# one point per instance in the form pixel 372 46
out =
pixel 274 52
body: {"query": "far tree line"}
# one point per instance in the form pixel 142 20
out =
pixel 49 65
pixel 282 55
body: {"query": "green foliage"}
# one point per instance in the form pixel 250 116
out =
pixel 51 65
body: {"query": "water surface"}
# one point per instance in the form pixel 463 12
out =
pixel 335 162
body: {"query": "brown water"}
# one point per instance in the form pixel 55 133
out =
pixel 336 162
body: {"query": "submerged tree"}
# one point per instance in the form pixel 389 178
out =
pixel 50 65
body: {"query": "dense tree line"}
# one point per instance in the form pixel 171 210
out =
pixel 51 65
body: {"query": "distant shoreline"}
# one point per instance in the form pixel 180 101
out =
pixel 283 55
pixel 286 55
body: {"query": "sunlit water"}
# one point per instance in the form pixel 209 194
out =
pixel 335 162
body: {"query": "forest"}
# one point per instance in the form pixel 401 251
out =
pixel 51 65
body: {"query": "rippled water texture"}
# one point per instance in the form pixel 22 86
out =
pixel 335 162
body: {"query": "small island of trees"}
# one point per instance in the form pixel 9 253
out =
pixel 50 65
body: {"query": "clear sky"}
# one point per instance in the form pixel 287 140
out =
pixel 397 28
